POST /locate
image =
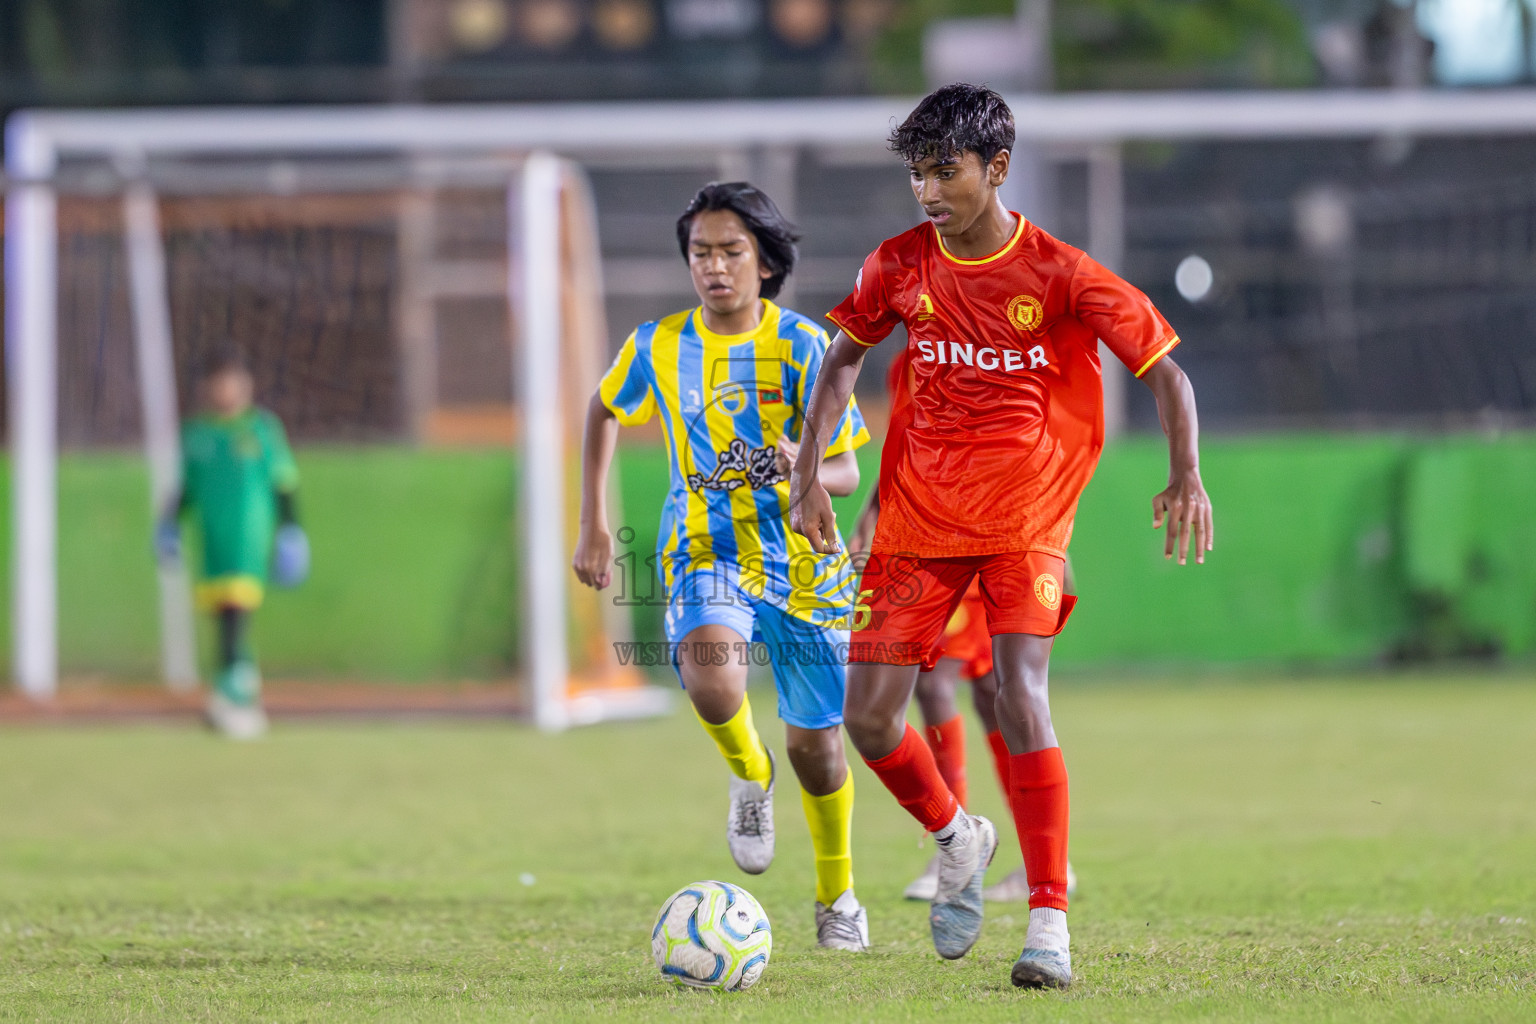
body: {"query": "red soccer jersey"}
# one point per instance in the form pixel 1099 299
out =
pixel 997 420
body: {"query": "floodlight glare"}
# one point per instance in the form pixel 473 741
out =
pixel 1194 278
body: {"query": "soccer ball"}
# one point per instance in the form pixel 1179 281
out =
pixel 712 935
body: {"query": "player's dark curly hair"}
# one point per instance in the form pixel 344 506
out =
pixel 225 358
pixel 776 236
pixel 954 119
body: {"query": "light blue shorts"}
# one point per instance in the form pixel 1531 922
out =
pixel 809 661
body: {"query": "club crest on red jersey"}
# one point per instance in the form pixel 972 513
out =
pixel 925 308
pixel 1025 312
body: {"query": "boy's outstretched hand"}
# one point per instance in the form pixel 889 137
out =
pixel 168 542
pixel 290 555
pixel 787 452
pixel 811 514
pixel 1186 508
pixel 593 560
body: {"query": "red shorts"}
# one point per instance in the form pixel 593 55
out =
pixel 906 602
pixel 965 639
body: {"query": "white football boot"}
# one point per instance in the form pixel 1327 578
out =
pixel 1047 958
pixel 749 825
pixel 955 915
pixel 237 721
pixel 1014 886
pixel 843 925
pixel 925 885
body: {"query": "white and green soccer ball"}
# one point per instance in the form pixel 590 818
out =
pixel 712 935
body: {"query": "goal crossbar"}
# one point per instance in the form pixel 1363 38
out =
pixel 36 138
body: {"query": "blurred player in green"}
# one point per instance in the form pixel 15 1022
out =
pixel 239 481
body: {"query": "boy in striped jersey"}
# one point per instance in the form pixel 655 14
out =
pixel 729 380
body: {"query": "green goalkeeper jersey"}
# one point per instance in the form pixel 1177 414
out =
pixel 232 472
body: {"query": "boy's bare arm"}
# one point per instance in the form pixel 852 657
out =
pixel 593 560
pixel 811 513
pixel 1183 504
pixel 839 473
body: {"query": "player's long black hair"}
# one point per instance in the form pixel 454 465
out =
pixel 776 236
pixel 953 119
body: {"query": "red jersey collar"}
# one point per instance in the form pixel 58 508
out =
pixel 1018 233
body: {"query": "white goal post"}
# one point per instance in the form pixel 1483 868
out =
pixel 1095 125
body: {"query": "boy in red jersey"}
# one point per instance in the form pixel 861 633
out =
pixel 998 434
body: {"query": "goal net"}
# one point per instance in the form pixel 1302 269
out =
pixel 427 329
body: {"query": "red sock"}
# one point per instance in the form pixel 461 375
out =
pixel 910 774
pixel 1037 791
pixel 1000 758
pixel 947 741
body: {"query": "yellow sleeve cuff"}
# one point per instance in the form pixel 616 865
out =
pixel 851 336
pixel 1167 346
pixel 847 442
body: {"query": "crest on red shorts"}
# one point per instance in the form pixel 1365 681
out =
pixel 1048 590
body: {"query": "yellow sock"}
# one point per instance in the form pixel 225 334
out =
pixel 831 820
pixel 740 745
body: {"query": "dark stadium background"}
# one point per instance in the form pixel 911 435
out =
pixel 1371 360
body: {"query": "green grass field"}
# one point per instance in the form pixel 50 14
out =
pixel 1314 850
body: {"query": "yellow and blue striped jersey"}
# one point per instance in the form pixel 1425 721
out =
pixel 724 402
